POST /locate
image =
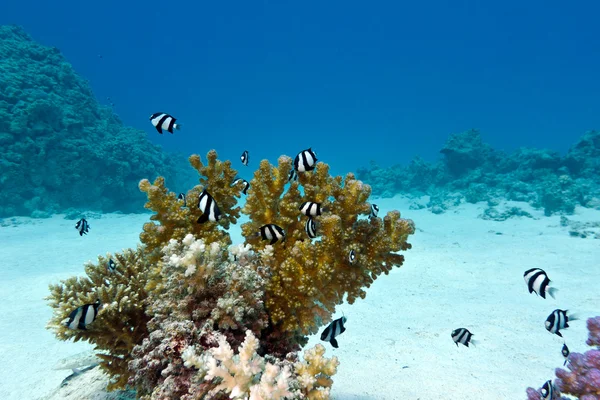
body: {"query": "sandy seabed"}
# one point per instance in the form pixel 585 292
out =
pixel 461 272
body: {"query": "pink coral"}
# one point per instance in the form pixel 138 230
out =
pixel 582 379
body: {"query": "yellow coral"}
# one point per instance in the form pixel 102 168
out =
pixel 308 278
pixel 314 374
pixel 121 323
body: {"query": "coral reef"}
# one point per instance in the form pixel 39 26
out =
pixel 176 308
pixel 471 171
pixel 582 379
pixel 53 133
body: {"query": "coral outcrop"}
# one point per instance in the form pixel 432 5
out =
pixel 472 171
pixel 189 316
pixel 61 149
pixel 582 378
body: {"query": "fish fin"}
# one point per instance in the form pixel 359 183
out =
pixel 565 364
pixel 273 241
pixel 552 292
pixel 573 317
pixel 159 129
pixel 456 343
pixel 342 330
pixel 559 334
pixel 334 343
pixel 203 218
pixel 474 342
pixel 177 126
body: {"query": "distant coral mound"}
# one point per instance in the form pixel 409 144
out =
pixel 59 148
pixel 472 171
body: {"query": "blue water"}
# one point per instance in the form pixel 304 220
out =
pixel 354 80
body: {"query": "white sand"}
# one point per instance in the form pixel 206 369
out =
pixel 397 345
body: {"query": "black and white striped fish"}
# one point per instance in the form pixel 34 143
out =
pixel 245 158
pixel 537 281
pixel 310 228
pixel 333 330
pixel 374 211
pixel 244 182
pixel 463 336
pixel 82 316
pixel 293 175
pixel 547 391
pixel 164 121
pixel 351 257
pixel 558 320
pixel 305 160
pixel 209 208
pixel 111 266
pixel 311 209
pixel 565 352
pixel 272 232
pixel 181 197
pixel 82 227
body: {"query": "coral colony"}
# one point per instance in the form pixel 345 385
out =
pixel 186 315
pixel 582 379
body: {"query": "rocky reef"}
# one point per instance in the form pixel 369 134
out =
pixel 581 379
pixel 472 171
pixel 61 149
pixel 188 315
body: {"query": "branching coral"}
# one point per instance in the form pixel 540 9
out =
pixel 309 278
pixel 175 308
pixel 583 377
pixel 122 322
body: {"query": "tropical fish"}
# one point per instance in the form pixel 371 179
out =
pixel 272 232
pixel 351 257
pixel 311 209
pixel 83 316
pixel 547 391
pixel 181 197
pixel 310 228
pixel 164 121
pixel 245 158
pixel 209 208
pixel 111 266
pixel 333 330
pixel 374 211
pixel 537 281
pixel 463 336
pixel 305 160
pixel 565 352
pixel 82 226
pixel 245 182
pixel 558 320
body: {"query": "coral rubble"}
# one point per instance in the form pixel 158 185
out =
pixel 189 316
pixel 471 171
pixel 54 134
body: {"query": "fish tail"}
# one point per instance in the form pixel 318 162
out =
pixel 552 292
pixel 177 126
pixel 474 342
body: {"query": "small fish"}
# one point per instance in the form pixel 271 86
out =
pixel 537 281
pixel 111 266
pixel 272 232
pixel 245 158
pixel 311 228
pixel 311 209
pixel 82 227
pixel 82 316
pixel 293 175
pixel 463 336
pixel 164 121
pixel 565 352
pixel 334 329
pixel 547 391
pixel 305 161
pixel 351 257
pixel 374 211
pixel 245 182
pixel 209 208
pixel 558 320
pixel 181 196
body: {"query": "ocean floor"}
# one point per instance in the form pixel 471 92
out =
pixel 462 271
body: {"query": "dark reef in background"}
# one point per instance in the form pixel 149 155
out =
pixel 59 148
pixel 472 171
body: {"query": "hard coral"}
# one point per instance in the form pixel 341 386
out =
pixel 179 304
pixel 309 278
pixel 121 323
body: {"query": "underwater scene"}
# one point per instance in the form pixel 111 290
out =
pixel 299 200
